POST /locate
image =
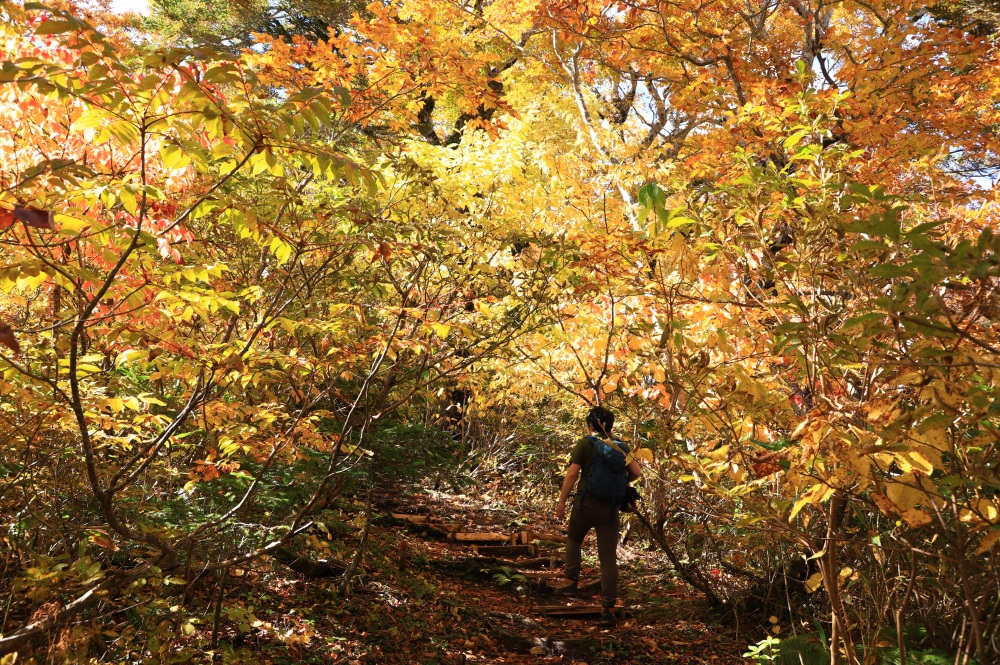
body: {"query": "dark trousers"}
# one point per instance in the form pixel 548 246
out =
pixel 603 519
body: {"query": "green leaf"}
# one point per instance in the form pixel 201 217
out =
pixel 652 198
pixel 174 157
pixel 127 196
pixel 92 118
pixel 343 95
pixel 651 195
pixel 923 228
pixel 125 132
pixel 54 27
pixel 792 140
pixel 130 355
pixel 889 270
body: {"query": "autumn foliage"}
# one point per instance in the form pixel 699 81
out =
pixel 763 234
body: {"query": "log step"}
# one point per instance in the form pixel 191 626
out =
pixel 540 562
pixel 578 610
pixel 505 550
pixel 469 537
pixel 525 537
pixel 417 519
pixel 541 574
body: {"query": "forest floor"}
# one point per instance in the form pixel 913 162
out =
pixel 420 598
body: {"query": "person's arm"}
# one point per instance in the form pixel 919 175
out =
pixel 571 475
pixel 634 470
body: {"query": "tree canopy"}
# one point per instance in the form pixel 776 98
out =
pixel 262 258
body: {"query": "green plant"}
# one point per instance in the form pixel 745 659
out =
pixel 803 650
pixel 765 651
pixel 506 576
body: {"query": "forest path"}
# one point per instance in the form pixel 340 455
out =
pixel 500 568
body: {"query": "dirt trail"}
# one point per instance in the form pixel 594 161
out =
pixel 423 594
pixel 501 570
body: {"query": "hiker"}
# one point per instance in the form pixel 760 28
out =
pixel 606 472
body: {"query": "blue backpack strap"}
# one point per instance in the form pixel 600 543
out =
pixel 593 444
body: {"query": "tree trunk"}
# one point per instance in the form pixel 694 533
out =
pixel 840 627
pixel 345 585
pixel 971 605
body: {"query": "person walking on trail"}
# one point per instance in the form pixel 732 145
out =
pixel 606 472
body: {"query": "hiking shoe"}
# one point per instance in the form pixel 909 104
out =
pixel 566 589
pixel 608 618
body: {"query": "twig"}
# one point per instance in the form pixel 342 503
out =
pixel 219 592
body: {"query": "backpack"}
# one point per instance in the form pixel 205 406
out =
pixel 608 476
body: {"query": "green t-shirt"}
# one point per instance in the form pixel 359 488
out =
pixel 583 454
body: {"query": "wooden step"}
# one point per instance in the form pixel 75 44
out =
pixel 539 562
pixel 418 519
pixel 541 574
pixel 505 550
pixel 578 610
pixel 470 537
pixel 526 537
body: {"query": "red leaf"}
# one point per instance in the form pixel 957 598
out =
pixel 36 217
pixel 7 338
pixel 6 219
pixel 382 251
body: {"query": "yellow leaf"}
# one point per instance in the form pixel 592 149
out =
pixel 919 462
pixel 441 329
pixel 988 541
pixel 643 454
pixel 916 518
pixel 984 509
pixel 902 495
pixel 147 399
pixel 936 438
pixel 720 454
pixel 799 505
pixel 814 582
